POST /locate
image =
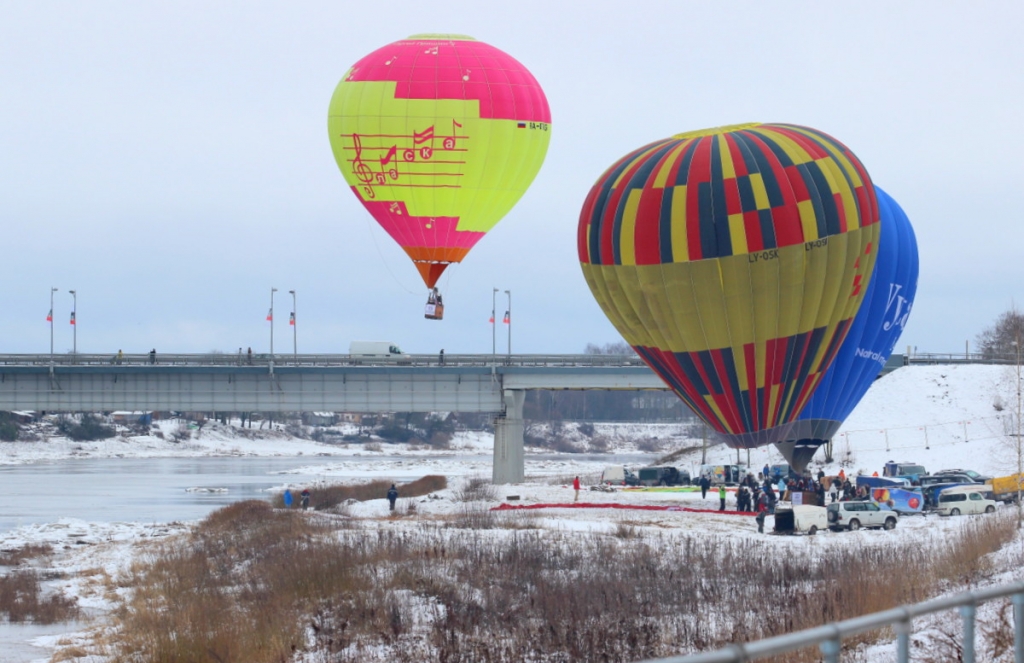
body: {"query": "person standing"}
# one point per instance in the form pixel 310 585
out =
pixel 288 498
pixel 721 497
pixel 762 510
pixel 440 358
pixel 705 483
pixel 250 356
pixel 392 496
pixel 152 356
pixel 833 491
pixel 305 498
pixel 576 487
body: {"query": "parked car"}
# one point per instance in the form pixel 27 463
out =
pixel 856 514
pixel 931 492
pixel 932 479
pixel 911 471
pixel 618 475
pixel 800 518
pixel 963 501
pixel 663 476
pixel 975 476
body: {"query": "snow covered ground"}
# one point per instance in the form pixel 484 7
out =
pixel 938 416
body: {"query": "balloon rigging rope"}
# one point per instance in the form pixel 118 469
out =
pixel 380 254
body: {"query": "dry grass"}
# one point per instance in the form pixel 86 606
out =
pixel 255 584
pixel 25 553
pixel 23 600
pixel 476 489
pixel 326 497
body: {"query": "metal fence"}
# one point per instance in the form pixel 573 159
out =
pixel 829 638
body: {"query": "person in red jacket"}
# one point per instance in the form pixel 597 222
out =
pixel 762 511
pixel 576 487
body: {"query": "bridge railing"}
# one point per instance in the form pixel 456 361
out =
pixel 829 637
pixel 317 360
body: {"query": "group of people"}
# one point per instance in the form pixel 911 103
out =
pixel 289 499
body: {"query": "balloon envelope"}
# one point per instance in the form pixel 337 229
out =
pixel 733 260
pixel 867 347
pixel 438 136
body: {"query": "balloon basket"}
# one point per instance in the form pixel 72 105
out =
pixel 434 312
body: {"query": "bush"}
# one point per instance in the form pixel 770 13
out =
pixel 9 430
pixel 396 433
pixel 90 428
pixel 325 497
pixel 476 490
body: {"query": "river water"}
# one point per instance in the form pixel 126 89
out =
pixel 157 490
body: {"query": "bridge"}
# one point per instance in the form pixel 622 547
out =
pixel 308 383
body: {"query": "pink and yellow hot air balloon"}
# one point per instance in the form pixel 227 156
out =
pixel 438 136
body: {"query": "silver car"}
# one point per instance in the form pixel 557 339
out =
pixel 856 514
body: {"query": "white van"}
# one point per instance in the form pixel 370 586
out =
pixel 962 500
pixel 374 349
pixel 801 518
pixel 617 475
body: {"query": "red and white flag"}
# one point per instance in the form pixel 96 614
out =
pixel 49 316
pixel 72 317
pixel 492 318
pixel 270 315
pixel 291 319
pixel 507 319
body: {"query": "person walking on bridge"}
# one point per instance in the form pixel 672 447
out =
pixel 152 356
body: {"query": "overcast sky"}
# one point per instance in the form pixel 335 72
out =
pixel 170 161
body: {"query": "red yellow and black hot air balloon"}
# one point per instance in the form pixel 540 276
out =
pixel 734 260
pixel 438 136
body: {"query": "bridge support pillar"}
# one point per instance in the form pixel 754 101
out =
pixel 509 465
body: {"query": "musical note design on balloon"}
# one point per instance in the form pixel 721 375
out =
pixel 421 165
pixel 384 161
pixel 449 141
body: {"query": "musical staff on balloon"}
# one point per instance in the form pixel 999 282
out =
pixel 408 160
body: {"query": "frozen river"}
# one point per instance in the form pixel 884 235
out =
pixel 156 490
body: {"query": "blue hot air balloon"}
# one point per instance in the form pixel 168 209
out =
pixel 871 339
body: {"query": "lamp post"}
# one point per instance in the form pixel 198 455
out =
pixel 1018 442
pixel 50 320
pixel 293 321
pixel 270 317
pixel 74 325
pixel 494 325
pixel 508 320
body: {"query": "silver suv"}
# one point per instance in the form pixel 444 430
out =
pixel 854 515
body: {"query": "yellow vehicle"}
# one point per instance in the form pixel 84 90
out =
pixel 1005 489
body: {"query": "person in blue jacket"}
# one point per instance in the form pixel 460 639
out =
pixel 287 498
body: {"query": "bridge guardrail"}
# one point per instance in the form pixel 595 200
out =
pixel 317 360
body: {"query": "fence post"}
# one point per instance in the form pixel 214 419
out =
pixel 902 629
pixel 830 650
pixel 1018 627
pixel 967 612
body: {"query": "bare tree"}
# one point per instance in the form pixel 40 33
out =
pixel 999 340
pixel 616 348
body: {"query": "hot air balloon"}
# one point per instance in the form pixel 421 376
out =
pixel 733 260
pixel 438 136
pixel 875 330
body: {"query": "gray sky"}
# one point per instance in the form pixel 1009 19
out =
pixel 170 161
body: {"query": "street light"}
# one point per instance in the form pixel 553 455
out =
pixel 74 324
pixel 295 327
pixel 508 321
pixel 270 317
pixel 49 318
pixel 494 325
pixel 1018 441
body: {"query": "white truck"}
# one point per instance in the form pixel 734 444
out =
pixel 374 349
